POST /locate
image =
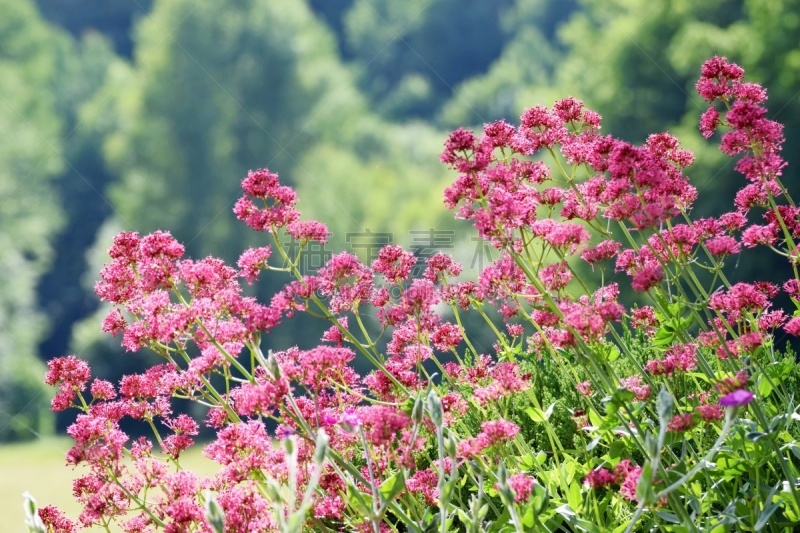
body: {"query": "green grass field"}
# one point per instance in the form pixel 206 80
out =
pixel 39 468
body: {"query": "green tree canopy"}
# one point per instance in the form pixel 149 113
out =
pixel 30 157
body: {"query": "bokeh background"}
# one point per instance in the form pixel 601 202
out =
pixel 145 114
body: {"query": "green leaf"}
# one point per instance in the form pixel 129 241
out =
pixel 663 336
pixel 392 486
pixel 613 354
pixel 574 496
pixel 764 387
pixel 765 515
pixel 591 445
pixel 616 449
pixel 699 375
pixel 668 517
pixel 540 498
pixel 359 501
pixel 527 461
pixel 541 457
pixel 795 450
pixel 755 436
pixel 435 408
pixel 573 520
pixel 620 397
pixel 536 414
pixel 644 490
pixel 408 406
pixel 464 517
pixel 528 517
pixel 569 468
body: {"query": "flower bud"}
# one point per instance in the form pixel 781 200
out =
pixel 418 410
pixel 322 446
pixel 32 520
pixel 214 514
pixel 435 408
pixel 273 367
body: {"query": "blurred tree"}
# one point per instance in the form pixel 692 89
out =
pixel 112 18
pixel 80 187
pixel 333 13
pixel 30 157
pixel 411 54
pixel 511 84
pixel 216 90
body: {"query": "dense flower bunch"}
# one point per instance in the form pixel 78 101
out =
pixel 672 406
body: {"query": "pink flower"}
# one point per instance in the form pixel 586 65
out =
pixel 492 432
pixel 681 423
pixel 278 200
pixel 68 370
pixel 602 251
pixel 499 430
pixel 733 383
pixel 755 235
pixel 568 110
pixel 425 482
pixel 628 486
pixel 647 278
pixel 599 478
pixel 252 261
pixel 441 265
pixel 737 398
pixel 556 276
pixel 382 424
pixel 71 375
pixel 515 330
pixel 446 336
pixel 792 327
pixel 394 263
pixel 103 390
pixel 309 230
pixel 644 318
pixel 723 245
pixel 56 521
pixel 522 486
pixel 709 121
pixel 507 379
pixel 716 77
pixel 710 412
pixel 635 385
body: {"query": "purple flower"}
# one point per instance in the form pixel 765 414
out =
pixel 736 398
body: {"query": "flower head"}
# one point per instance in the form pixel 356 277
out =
pixel 737 398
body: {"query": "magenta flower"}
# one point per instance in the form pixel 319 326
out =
pixel 736 398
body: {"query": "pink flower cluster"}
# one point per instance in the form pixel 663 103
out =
pixel 625 475
pixel 548 230
pixel 492 432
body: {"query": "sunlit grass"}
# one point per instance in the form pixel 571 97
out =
pixel 39 468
